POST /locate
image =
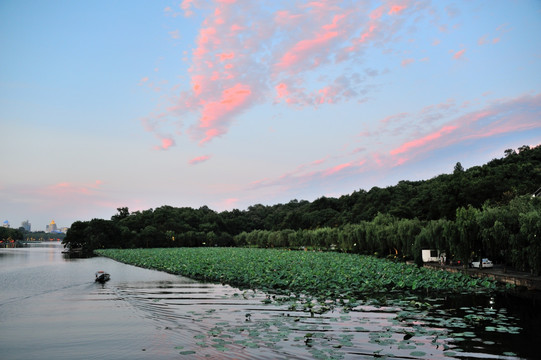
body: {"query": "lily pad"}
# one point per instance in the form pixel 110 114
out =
pixel 187 352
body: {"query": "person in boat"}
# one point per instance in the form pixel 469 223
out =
pixel 102 276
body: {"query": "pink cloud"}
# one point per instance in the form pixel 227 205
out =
pixel 236 28
pixel 226 56
pixel 284 17
pixel 282 90
pixel 334 24
pixel 394 118
pixel 422 141
pixel 319 161
pixel 358 150
pixel 367 34
pixel 500 117
pixel 230 100
pixel 303 48
pixel 482 40
pixel 67 188
pixel 342 88
pixel 244 53
pixel 406 62
pixel 326 95
pixel 207 38
pixel 166 143
pixel 504 28
pixel 336 169
pixel 493 119
pixel 305 175
pixel 199 159
pixel 216 115
pixel 377 13
pixel 186 6
pixel 395 9
pixel 459 54
pixel 503 116
pixel 230 202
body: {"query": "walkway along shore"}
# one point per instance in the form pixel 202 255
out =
pixel 498 273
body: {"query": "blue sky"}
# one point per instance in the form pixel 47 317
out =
pixel 233 103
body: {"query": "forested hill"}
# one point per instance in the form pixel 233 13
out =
pixel 500 180
pixel 495 183
pixel 517 173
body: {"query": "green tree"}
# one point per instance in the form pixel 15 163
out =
pixel 122 213
pixel 530 230
pixel 76 237
pixel 150 237
pixel 468 230
pixel 7 234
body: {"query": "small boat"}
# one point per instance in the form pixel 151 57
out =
pixel 102 276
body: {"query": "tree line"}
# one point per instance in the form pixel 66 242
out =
pixel 8 234
pixel 508 234
pixel 419 213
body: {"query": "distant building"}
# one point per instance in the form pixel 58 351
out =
pixel 51 227
pixel 64 229
pixel 26 225
pixel 6 224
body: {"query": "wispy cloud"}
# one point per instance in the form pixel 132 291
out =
pixel 495 118
pixel 217 115
pixel 65 197
pixel 423 141
pixel 227 204
pixel 406 62
pixel 69 188
pixel 246 54
pixel 336 169
pixel 459 54
pixel 199 159
pixel 166 143
pixel 498 117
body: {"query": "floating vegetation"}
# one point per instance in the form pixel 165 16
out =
pixel 328 306
pixel 400 330
pixel 324 276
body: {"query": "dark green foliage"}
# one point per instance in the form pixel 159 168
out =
pixel 509 234
pixel 482 211
pixel 326 276
pixel 8 234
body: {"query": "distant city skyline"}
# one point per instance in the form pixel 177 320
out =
pixel 27 225
pixel 228 104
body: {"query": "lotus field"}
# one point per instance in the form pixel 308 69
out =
pixel 325 305
pixel 322 275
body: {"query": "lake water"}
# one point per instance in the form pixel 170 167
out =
pixel 51 308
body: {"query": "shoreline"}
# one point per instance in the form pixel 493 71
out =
pixel 497 273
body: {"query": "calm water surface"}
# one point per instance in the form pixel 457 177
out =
pixel 51 308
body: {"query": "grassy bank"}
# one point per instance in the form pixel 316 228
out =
pixel 324 275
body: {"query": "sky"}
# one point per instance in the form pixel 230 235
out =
pixel 232 103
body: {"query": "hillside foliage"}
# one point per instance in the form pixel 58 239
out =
pixel 485 210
